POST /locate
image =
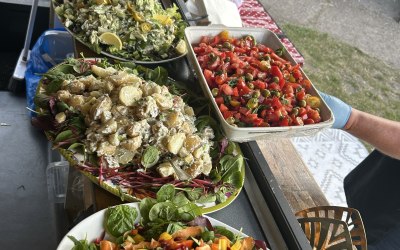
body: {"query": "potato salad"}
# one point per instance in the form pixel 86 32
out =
pixel 131 130
pixel 130 120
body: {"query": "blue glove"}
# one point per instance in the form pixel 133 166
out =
pixel 341 110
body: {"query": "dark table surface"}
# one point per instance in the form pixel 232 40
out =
pixel 28 217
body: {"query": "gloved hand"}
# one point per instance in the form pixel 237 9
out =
pixel 341 110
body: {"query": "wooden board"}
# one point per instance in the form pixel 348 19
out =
pixel 293 176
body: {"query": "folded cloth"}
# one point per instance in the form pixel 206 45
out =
pixel 223 12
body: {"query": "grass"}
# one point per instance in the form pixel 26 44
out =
pixel 342 70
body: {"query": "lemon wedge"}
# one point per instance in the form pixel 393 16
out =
pixel 181 47
pixel 111 39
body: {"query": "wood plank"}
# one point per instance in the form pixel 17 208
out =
pixel 293 176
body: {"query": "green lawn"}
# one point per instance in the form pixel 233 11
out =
pixel 344 71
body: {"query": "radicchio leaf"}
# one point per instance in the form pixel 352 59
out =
pixel 201 221
pixel 45 122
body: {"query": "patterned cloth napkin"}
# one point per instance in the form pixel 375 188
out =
pixel 330 155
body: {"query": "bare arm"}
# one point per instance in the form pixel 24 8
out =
pixel 381 133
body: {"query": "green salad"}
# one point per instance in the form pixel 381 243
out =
pixel 130 29
pixel 168 222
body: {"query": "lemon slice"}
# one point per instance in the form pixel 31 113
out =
pixel 181 47
pixel 111 39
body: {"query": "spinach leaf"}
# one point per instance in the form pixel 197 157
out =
pixel 77 123
pixel 207 236
pixel 120 219
pixel 180 199
pixel 223 231
pixel 166 193
pixel 64 135
pixel 62 106
pixel 189 211
pixel 175 226
pixel 230 164
pixel 154 231
pixel 163 211
pixel 193 194
pixel 55 79
pixel 236 179
pixel 206 198
pixel 129 65
pixel 150 157
pixel 144 206
pixel 231 148
pixel 221 197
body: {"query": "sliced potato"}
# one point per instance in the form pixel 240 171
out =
pixel 124 156
pixel 175 142
pixel 102 104
pixel 60 117
pixel 132 144
pixel 162 101
pixel 165 169
pixel 108 128
pixel 197 153
pixel 173 119
pixel 102 72
pixel 128 95
pixel 192 142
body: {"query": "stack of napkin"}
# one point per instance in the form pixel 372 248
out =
pixel 220 12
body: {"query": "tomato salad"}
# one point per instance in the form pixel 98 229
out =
pixel 253 85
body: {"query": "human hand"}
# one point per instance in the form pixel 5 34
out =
pixel 341 110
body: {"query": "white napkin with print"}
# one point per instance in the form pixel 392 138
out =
pixel 223 12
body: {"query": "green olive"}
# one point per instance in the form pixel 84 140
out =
pixel 265 65
pixel 252 103
pixel 275 79
pixel 250 85
pixel 292 79
pixel 302 103
pixel 227 59
pixel 285 101
pixel 266 93
pixel 215 92
pixel 248 77
pixel 227 45
pixel 250 37
pixel 276 93
pixel 230 120
pixel 256 93
pixel 295 111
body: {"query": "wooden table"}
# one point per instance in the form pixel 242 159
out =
pixel 293 176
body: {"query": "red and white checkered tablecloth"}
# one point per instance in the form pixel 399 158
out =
pixel 253 14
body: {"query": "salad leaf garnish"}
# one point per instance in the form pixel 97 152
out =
pixel 120 219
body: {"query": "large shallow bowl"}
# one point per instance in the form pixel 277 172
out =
pixel 79 39
pixel 92 227
pixel 72 157
pixel 242 134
